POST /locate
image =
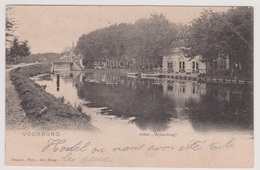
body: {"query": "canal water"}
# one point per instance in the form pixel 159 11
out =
pixel 155 104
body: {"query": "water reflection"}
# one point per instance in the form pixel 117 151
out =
pixel 223 108
pixel 157 104
pixel 129 97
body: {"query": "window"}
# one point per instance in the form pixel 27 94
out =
pixel 195 65
pixel 194 89
pixel 182 89
pixel 182 64
pixel 170 65
pixel 222 64
pixel 169 88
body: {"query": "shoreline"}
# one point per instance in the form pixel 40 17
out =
pixel 173 75
pixel 39 108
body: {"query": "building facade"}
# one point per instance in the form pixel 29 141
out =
pixel 68 55
pixel 69 61
pixel 175 62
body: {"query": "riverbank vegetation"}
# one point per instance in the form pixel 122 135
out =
pixel 42 109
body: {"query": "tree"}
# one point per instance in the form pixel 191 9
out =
pixel 239 23
pixel 145 42
pixel 205 36
pixel 219 34
pixel 156 35
pixel 24 49
pixel 14 50
pixel 9 29
pixel 18 49
pixel 9 24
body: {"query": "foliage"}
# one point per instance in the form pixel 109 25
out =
pixel 219 34
pixel 9 26
pixel 13 47
pixel 19 49
pixel 43 57
pixel 9 29
pixel 145 41
pixel 24 49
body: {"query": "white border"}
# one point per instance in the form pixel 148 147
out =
pixel 254 3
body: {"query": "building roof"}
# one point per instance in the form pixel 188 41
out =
pixel 66 49
pixel 177 44
pixel 65 57
pixel 175 47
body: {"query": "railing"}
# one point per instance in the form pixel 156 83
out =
pixel 180 71
pixel 158 70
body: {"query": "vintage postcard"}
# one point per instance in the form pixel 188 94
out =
pixel 129 86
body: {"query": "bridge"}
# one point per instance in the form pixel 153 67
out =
pixel 69 61
pixel 65 66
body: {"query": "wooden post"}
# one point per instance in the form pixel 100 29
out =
pixel 58 81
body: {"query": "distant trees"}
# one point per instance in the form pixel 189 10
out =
pixel 219 34
pixel 43 57
pixel 13 48
pixel 144 42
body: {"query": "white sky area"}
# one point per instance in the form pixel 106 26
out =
pixel 51 28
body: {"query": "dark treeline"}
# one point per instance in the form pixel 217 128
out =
pixel 142 44
pixel 222 34
pixel 43 57
pixel 129 45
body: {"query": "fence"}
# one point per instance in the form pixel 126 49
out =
pixel 180 71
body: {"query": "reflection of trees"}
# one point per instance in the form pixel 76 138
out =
pixel 215 111
pixel 208 107
pixel 155 125
pixel 147 103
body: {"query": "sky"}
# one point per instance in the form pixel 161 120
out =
pixel 52 28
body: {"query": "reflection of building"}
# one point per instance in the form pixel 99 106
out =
pixel 101 78
pixel 176 62
pixel 220 93
pixel 182 92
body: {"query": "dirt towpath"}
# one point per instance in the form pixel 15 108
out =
pixel 15 117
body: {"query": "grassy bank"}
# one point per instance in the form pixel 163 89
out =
pixel 42 109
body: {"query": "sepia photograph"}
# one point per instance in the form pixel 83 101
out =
pixel 129 86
